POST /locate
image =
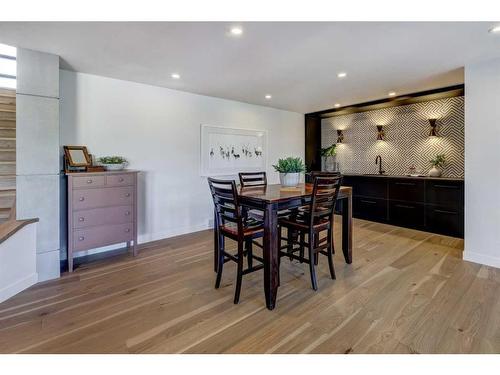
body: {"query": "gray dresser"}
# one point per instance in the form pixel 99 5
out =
pixel 102 210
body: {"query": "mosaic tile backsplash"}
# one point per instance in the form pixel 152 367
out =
pixel 407 140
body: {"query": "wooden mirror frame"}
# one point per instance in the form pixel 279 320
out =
pixel 67 153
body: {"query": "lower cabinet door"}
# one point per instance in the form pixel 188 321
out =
pixel 92 237
pixel 369 208
pixel 444 220
pixel 407 214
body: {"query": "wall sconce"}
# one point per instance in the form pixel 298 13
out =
pixel 381 133
pixel 433 131
pixel 340 136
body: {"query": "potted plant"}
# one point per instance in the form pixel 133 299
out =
pixel 113 163
pixel 328 153
pixel 290 169
pixel 437 163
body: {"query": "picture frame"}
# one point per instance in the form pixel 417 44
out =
pixel 77 156
pixel 226 151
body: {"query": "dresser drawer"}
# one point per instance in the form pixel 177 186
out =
pixel 120 180
pixel 88 181
pixel 445 220
pixel 89 238
pixel 445 193
pixel 406 214
pixel 92 198
pixel 369 208
pixel 103 216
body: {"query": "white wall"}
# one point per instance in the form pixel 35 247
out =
pixel 482 157
pixel 158 131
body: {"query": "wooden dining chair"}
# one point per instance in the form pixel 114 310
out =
pixel 312 220
pixel 252 179
pixel 231 223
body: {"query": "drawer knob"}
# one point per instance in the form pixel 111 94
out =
pixel 127 230
pixel 81 238
pixel 81 199
pixel 127 195
pixel 89 181
pixel 121 179
pixel 81 219
pixel 127 213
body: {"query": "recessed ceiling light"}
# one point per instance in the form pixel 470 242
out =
pixel 392 93
pixel 337 105
pixel 268 96
pixel 342 75
pixel 494 30
pixel 236 30
pixel 175 75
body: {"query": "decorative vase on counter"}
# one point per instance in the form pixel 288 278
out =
pixel 289 179
pixel 435 172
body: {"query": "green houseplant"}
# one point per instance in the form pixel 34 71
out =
pixel 290 169
pixel 328 153
pixel 437 163
pixel 113 163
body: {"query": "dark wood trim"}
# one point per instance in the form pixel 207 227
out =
pixel 313 142
pixel 10 227
pixel 418 97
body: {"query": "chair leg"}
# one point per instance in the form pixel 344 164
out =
pixel 315 244
pixel 330 254
pixel 239 275
pixel 312 258
pixel 220 265
pixel 289 242
pixel 249 250
pixel 302 240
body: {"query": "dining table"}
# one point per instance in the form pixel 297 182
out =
pixel 270 199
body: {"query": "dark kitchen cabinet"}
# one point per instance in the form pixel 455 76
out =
pixel 431 204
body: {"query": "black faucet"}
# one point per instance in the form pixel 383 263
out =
pixel 377 159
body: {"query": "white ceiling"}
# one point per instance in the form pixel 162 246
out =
pixel 296 62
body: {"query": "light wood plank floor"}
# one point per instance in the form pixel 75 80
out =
pixel 406 292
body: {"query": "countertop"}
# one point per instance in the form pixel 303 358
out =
pixel 405 177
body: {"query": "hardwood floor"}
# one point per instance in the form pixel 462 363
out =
pixel 406 292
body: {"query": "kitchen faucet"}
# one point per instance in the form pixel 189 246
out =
pixel 378 160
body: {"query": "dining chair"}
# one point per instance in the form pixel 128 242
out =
pixel 252 179
pixel 231 223
pixel 312 220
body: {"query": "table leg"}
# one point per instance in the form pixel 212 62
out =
pixel 271 256
pixel 347 228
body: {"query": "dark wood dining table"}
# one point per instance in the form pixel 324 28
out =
pixel 273 198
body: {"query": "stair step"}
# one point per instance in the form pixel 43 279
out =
pixel 8 133
pixel 7 155
pixel 7 167
pixel 8 92
pixel 4 213
pixel 7 115
pixel 7 201
pixel 4 104
pixel 8 182
pixel 7 144
pixel 10 124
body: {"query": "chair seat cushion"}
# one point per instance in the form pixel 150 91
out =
pixel 251 228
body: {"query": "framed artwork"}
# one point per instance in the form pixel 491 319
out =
pixel 227 151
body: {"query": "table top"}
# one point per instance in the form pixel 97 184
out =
pixel 277 193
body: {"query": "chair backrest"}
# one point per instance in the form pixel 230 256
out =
pixel 324 196
pixel 252 179
pixel 315 174
pixel 226 203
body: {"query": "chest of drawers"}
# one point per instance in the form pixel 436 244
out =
pixel 102 210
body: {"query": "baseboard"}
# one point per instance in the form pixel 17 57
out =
pixel 481 259
pixel 18 286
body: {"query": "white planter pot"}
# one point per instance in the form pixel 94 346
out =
pixel 435 172
pixel 289 179
pixel 114 167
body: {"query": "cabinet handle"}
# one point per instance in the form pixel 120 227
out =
pixel 81 199
pixel 404 206
pixel 127 213
pixel 446 187
pixel 81 238
pixel 405 183
pixel 445 212
pixel 371 202
pixel 81 219
pixel 127 230
pixel 127 195
pixel 89 181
